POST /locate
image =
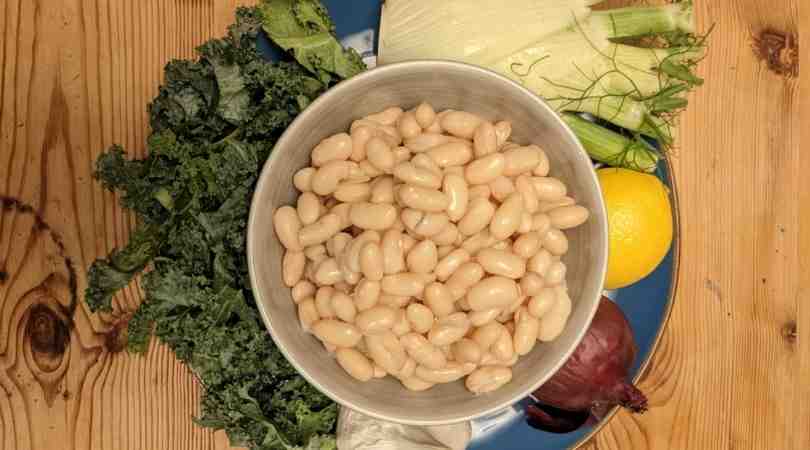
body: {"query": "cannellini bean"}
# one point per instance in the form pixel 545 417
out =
pixel 382 190
pixel 526 245
pixel 342 286
pixel 351 256
pixel 424 114
pixel 401 155
pixel 567 217
pixel 394 301
pixel 526 221
pixel 386 351
pixel 368 169
pixel 302 180
pixel 447 237
pixel 355 364
pixel 444 250
pixel 524 185
pixel 487 379
pixel 439 299
pixel 461 123
pixel 464 278
pixel 541 223
pixel 429 200
pixel 416 384
pixel 503 349
pixel 492 292
pixel 476 242
pixel 342 210
pixel 360 137
pixel 337 333
pixel 506 219
pixel 542 302
pixel 403 284
pixel 503 130
pixel 401 325
pixel 543 166
pixel 448 264
pixel 424 224
pixel 407 126
pixel 425 162
pixel 328 272
pixel 371 261
pixel 553 322
pixel 326 180
pixel 486 335
pixel 323 302
pixel 546 207
pixel 456 190
pixel 376 320
pixel 482 190
pixel 466 351
pixel 501 188
pixel 353 192
pixel 480 212
pixel 344 308
pixel 337 244
pixel 417 176
pixel 485 140
pixel 422 351
pixel 549 189
pixel 320 231
pixel 407 369
pixel 540 262
pixel 531 284
pixel 555 274
pixel 366 294
pixel 526 330
pixel 452 371
pixel 407 242
pixel 379 372
pixel 333 148
pixel 292 267
pixel 502 245
pixel 423 257
pixel 380 155
pixel 388 116
pixel 449 329
pixel 485 169
pixel 420 317
pixel 453 153
pixel 308 208
pixel 316 253
pixel 427 141
pixel 287 226
pixel 393 256
pixel 501 262
pixel 555 242
pixel 520 160
pixel 350 278
pixel 302 290
pixel 308 313
pixel 481 318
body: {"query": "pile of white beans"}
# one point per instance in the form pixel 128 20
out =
pixel 427 246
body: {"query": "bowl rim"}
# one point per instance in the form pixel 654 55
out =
pixel 265 177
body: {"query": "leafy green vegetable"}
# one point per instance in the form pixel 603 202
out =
pixel 214 123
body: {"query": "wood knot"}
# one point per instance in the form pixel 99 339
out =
pixel 790 332
pixel 48 334
pixel 779 50
pixel 115 340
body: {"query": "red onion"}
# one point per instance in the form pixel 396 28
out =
pixel 594 378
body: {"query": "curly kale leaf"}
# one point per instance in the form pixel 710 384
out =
pixel 303 28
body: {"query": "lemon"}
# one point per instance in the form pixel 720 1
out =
pixel 639 224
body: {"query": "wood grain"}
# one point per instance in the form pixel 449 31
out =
pixel 732 370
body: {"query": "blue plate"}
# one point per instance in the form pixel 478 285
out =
pixel 646 304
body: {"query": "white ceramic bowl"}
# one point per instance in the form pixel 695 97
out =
pixel 444 85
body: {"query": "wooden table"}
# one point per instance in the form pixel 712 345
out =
pixel 732 371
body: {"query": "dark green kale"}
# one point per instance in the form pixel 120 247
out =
pixel 214 123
